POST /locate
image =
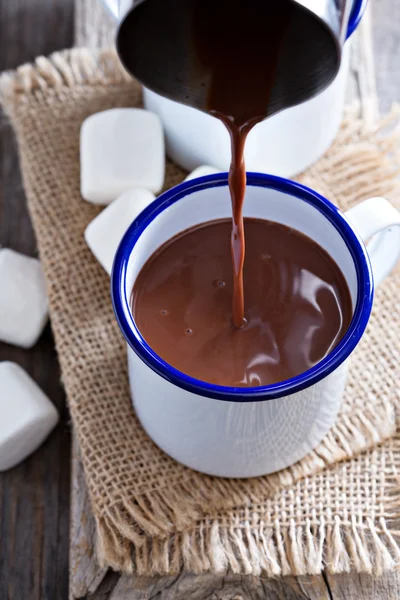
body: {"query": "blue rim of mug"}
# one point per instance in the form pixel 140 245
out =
pixel 362 310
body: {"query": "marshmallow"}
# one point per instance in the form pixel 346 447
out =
pixel 23 302
pixel 121 148
pixel 201 171
pixel 105 232
pixel 26 415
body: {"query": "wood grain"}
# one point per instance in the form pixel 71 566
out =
pixel 209 587
pixel 386 34
pixel 85 574
pixel 34 497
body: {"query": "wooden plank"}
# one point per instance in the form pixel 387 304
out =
pixel 94 26
pixel 34 496
pixel 362 84
pixel 229 587
pixel 116 587
pixel 85 574
pixel 364 587
pixel 386 34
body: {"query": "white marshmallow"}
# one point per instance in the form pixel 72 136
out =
pixel 105 232
pixel 23 302
pixel 201 171
pixel 26 415
pixel 121 148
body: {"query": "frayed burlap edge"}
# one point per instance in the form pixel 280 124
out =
pixel 274 551
pixel 341 541
pixel 123 524
pixel 68 68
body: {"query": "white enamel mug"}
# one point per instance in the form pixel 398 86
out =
pixel 246 432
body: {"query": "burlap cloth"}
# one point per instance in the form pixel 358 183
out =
pixel 152 514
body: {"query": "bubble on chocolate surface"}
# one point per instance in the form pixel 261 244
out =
pixel 219 283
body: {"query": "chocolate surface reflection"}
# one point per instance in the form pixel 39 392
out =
pixel 298 305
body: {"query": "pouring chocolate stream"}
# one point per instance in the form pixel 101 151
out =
pixel 239 47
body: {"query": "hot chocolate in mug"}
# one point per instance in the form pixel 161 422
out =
pixel 250 431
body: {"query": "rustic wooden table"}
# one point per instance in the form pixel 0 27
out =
pixel 35 497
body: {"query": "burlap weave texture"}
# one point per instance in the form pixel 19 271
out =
pixel 153 514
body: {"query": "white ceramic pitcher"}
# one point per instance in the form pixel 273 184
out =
pixel 287 142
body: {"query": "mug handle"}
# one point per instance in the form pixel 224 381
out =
pixel 378 221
